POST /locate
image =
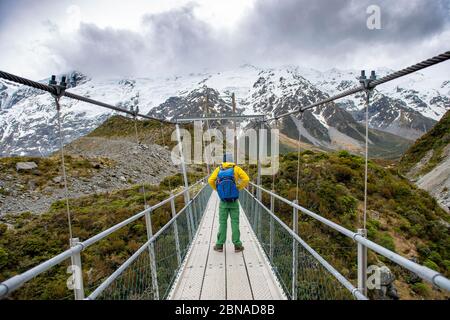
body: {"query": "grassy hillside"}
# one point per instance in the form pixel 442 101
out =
pixel 433 141
pixel 401 217
pixel 27 240
pixel 149 131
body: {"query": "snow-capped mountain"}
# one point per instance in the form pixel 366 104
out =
pixel 407 107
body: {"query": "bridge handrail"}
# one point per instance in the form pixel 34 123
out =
pixel 133 257
pixel 347 284
pixel 423 272
pixel 16 281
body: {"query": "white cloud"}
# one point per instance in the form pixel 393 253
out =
pixel 143 38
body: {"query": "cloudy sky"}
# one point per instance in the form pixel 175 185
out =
pixel 115 38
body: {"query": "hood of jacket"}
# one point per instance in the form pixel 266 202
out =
pixel 227 165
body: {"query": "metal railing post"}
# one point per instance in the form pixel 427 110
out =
pixel 151 251
pixel 271 227
pixel 175 230
pixel 77 271
pixel 294 252
pixel 362 264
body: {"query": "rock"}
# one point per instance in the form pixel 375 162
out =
pixel 123 179
pixel 387 288
pixel 31 185
pixel 97 165
pixel 57 179
pixel 102 185
pixel 25 166
pixel 386 276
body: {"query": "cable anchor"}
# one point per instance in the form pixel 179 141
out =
pixel 366 82
pixel 59 88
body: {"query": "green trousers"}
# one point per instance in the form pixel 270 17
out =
pixel 229 209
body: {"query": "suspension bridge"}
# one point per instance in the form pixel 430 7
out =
pixel 177 261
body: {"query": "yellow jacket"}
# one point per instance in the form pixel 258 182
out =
pixel 240 176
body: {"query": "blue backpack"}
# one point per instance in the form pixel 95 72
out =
pixel 226 186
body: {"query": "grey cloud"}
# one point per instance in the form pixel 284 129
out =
pixel 173 41
pixel 315 26
pixel 288 31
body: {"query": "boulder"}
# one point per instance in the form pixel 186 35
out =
pixel 57 179
pixel 387 289
pixel 25 166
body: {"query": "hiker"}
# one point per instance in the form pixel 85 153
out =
pixel 227 180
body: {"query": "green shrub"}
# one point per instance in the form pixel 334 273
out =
pixel 421 289
pixel 344 154
pixel 3 257
pixel 435 257
pixel 3 228
pixel 430 264
pixel 342 173
pixel 386 241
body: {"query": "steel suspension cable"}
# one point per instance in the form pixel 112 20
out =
pixel 137 145
pixel 298 154
pixel 54 91
pixel 366 158
pixel 208 169
pixel 210 157
pixel 164 144
pixel 273 171
pixel 401 73
pixel 63 166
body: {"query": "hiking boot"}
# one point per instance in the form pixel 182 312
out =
pixel 238 248
pixel 218 248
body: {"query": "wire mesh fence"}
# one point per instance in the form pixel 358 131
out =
pixel 151 274
pixel 290 259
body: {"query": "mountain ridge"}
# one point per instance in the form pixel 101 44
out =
pixel 28 123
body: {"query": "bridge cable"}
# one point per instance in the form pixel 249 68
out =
pixel 208 169
pixel 368 92
pixel 210 157
pixel 138 146
pixel 298 154
pixel 271 152
pixel 164 145
pixel 54 91
pixel 401 73
pixel 63 166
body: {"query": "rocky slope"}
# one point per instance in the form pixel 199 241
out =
pixel 427 162
pixel 406 107
pixel 108 159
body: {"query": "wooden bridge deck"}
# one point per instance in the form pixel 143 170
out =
pixel 210 275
